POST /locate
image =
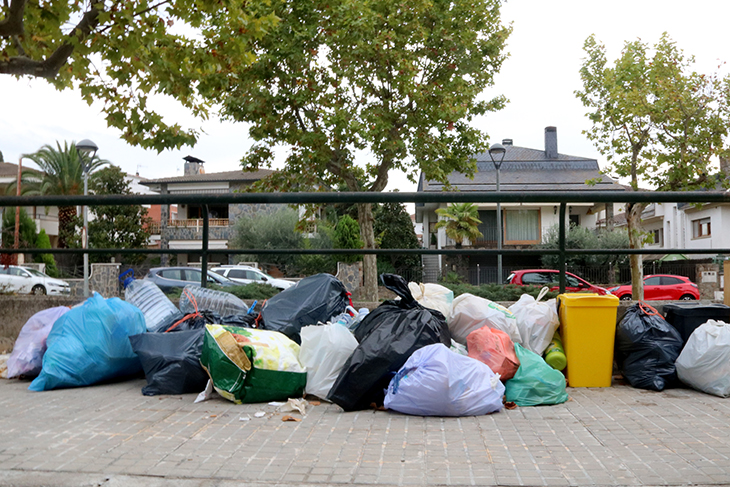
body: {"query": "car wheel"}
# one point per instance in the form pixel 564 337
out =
pixel 625 297
pixel 687 297
pixel 38 289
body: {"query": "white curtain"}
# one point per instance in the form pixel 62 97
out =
pixel 522 225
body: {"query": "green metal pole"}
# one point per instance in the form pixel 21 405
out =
pixel 204 260
pixel 561 247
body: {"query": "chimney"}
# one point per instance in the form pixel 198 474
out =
pixel 193 166
pixel 506 142
pixel 551 143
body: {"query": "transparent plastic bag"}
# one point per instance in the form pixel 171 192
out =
pixel 469 313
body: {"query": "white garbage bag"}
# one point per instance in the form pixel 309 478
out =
pixel 433 296
pixel 704 363
pixel 29 348
pixel 536 321
pixel 324 350
pixel 469 313
pixel 438 382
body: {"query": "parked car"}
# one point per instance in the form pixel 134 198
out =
pixel 551 278
pixel 661 287
pixel 169 278
pixel 244 274
pixel 24 280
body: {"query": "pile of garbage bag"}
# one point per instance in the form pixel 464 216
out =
pixel 424 353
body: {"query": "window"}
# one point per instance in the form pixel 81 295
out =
pixel 174 274
pixel 253 275
pixel 668 281
pixel 192 275
pixel 522 227
pixel 574 220
pixel 657 236
pixel 701 228
pixel 221 272
pixel 14 271
pixel 652 281
pixel 237 274
pixel 536 278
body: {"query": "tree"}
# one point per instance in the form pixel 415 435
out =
pixel 277 230
pixel 657 122
pixel 62 174
pixel 578 237
pixel 347 236
pixel 117 226
pixel 461 222
pixel 394 230
pixel 43 242
pixel 124 52
pixel 27 231
pixel 357 89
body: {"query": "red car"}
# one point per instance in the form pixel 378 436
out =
pixel 551 278
pixel 661 287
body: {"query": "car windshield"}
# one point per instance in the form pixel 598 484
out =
pixel 36 273
pixel 218 277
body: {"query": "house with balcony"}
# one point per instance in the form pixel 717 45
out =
pixel 185 229
pixel 523 225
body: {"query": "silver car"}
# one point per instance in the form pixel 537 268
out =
pixel 246 275
pixel 21 280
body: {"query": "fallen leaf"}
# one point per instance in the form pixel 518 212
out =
pixel 510 405
pixel 315 403
pixel 290 418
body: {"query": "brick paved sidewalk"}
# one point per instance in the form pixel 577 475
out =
pixel 113 435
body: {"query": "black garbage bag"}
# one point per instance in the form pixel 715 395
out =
pixel 197 321
pixel 646 348
pixel 171 361
pixel 387 336
pixel 313 299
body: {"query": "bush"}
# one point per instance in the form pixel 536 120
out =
pixel 254 290
pixel 497 292
pixel 43 242
pixel 347 236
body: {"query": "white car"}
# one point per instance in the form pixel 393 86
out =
pixel 23 280
pixel 246 275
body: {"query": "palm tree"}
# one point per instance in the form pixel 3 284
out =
pixel 62 174
pixel 462 222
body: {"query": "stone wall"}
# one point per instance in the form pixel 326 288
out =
pixel 16 310
pixel 708 280
pixel 103 278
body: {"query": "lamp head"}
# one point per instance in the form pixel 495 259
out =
pixel 497 150
pixel 89 148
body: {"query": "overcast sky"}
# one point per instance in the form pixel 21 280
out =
pixel 538 78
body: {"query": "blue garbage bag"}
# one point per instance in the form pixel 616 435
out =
pixel 90 344
pixel 438 382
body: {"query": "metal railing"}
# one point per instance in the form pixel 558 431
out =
pixel 547 197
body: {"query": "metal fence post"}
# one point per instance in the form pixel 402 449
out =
pixel 561 247
pixel 204 260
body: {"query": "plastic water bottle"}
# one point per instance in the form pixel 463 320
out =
pixel 158 310
pixel 555 354
pixel 362 313
pixel 219 302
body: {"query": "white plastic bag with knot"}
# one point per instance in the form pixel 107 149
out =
pixel 469 313
pixel 536 320
pixel 704 363
pixel 432 296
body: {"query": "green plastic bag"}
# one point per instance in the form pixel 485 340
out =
pixel 535 382
pixel 248 365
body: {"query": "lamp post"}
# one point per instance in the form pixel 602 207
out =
pixel 498 150
pixel 86 149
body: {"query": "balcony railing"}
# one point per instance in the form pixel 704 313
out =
pixel 195 223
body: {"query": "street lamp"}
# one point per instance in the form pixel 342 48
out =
pixel 86 148
pixel 498 150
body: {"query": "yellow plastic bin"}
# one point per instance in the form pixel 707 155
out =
pixel 588 328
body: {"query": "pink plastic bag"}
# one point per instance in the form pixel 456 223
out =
pixel 494 348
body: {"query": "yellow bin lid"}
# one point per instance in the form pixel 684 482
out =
pixel 587 300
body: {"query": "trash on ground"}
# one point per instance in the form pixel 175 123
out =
pixel 469 313
pixel 434 296
pixel 535 382
pixel 555 353
pixel 259 414
pixel 387 337
pixel 27 357
pixel 646 349
pixel 248 365
pixel 323 352
pixel 704 363
pixel 537 321
pixel 294 404
pixel 314 299
pixel 90 344
pixel 290 418
pixel 495 349
pixel 438 382
pixel 206 394
pixel 196 298
pixel 159 312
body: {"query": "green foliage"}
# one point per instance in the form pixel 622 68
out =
pixel 309 264
pixel 117 226
pixel 43 242
pixel 254 290
pixel 27 232
pixel 124 52
pixel 583 238
pixel 461 222
pixel 497 292
pixel 347 236
pixel 452 277
pixel 394 230
pixel 277 230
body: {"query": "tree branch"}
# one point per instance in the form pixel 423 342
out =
pixel 13 23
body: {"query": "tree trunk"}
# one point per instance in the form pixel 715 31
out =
pixel 66 216
pixel 633 220
pixel 370 263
